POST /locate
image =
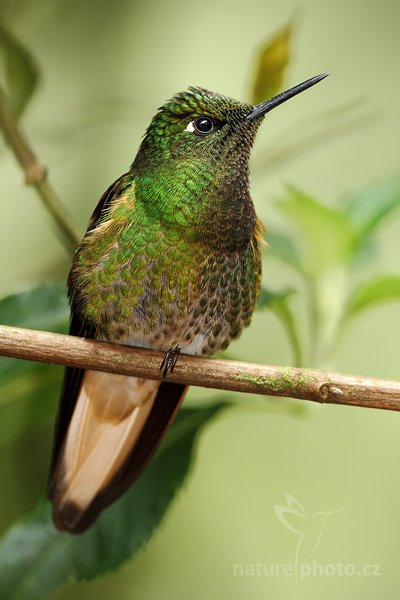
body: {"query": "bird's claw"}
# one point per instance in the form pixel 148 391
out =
pixel 170 359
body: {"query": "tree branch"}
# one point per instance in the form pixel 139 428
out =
pixel 35 173
pixel 316 385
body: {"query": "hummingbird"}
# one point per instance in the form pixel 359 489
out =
pixel 171 260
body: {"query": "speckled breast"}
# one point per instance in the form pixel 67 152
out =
pixel 195 298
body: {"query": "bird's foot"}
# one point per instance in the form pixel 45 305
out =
pixel 170 359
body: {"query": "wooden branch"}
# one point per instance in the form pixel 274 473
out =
pixel 35 173
pixel 307 384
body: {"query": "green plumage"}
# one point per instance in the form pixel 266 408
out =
pixel 174 255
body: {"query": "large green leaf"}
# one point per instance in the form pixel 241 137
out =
pixel 279 303
pixel 39 308
pixel 44 307
pixel 20 70
pixel 385 288
pixel 29 390
pixel 325 236
pixel 28 403
pixel 270 66
pixel 35 558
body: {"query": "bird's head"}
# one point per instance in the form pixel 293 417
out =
pixel 192 166
pixel 211 132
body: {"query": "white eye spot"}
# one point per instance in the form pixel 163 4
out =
pixel 190 127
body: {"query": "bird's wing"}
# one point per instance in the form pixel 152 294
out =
pixel 79 327
pixel 108 426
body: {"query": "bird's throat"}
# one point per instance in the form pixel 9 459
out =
pixel 203 204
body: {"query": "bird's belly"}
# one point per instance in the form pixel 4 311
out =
pixel 201 310
pixel 192 335
pixel 194 346
pixel 198 327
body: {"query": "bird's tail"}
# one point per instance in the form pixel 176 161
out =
pixel 116 425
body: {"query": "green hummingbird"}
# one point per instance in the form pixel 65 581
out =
pixel 171 261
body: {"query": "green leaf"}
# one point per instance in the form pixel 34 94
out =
pixel 279 303
pixel 28 403
pixel 368 209
pixel 283 248
pixel 270 65
pixel 39 308
pixel 35 558
pixel 325 236
pixel 29 390
pixel 385 288
pixel 20 70
pixel 44 307
pixel 268 298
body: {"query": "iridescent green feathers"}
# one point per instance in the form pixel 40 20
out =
pixel 167 140
pixel 181 218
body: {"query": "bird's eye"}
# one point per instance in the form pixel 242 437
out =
pixel 201 125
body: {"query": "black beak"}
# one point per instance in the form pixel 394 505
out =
pixel 264 107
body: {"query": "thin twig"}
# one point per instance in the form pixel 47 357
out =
pixel 35 173
pixel 316 385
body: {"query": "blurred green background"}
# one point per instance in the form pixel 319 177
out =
pixel 106 67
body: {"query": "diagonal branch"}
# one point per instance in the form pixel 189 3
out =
pixel 316 385
pixel 35 173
